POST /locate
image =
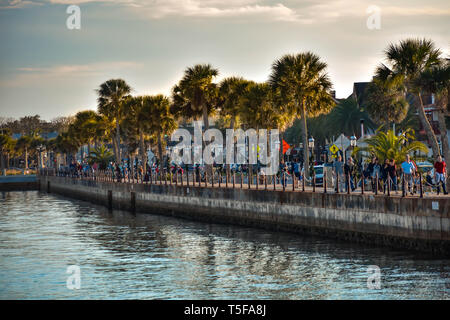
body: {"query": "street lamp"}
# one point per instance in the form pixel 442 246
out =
pixel 40 148
pixel 311 143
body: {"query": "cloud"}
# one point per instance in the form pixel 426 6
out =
pixel 29 75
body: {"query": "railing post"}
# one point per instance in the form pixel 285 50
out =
pixel 212 176
pixel 362 183
pixel 403 186
pixel 421 185
pixel 283 181
pixel 274 178
pixel 293 181
pixel 257 182
pixel 348 182
pixel 324 180
pixel 303 183
pixel 337 182
pixel 314 181
pixel 388 186
pixel 241 178
pixel 234 178
pixel 376 183
pixel 265 182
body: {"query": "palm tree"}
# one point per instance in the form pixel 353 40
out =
pixel 111 96
pixel 161 121
pixel 87 124
pixel 387 145
pixel 345 118
pixel 195 94
pixel 6 147
pixel 386 102
pixel 437 81
pixel 136 125
pixel 100 155
pixel 67 144
pixel 409 59
pixel 302 89
pixel 231 90
pixel 23 146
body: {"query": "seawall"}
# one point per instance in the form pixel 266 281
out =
pixel 19 183
pixel 413 223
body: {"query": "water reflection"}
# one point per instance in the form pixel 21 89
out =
pixel 145 256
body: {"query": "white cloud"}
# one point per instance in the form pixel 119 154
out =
pixel 29 75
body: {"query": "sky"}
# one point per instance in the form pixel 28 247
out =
pixel 51 70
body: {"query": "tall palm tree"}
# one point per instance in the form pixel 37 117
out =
pixel 302 86
pixel 161 121
pixel 409 59
pixel 111 96
pixel 195 94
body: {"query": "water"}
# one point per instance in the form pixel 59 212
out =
pixel 143 256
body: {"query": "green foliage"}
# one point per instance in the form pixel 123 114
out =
pixel 387 145
pixel 102 156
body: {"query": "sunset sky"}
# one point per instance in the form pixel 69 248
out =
pixel 47 69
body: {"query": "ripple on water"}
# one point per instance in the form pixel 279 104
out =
pixel 143 256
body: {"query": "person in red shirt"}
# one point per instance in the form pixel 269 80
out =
pixel 440 174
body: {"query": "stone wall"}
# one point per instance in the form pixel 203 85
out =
pixel 421 224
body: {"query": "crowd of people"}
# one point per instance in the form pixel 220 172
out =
pixel 346 174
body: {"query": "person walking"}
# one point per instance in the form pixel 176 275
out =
pixel 349 168
pixel 392 173
pixel 408 170
pixel 440 175
pixel 338 173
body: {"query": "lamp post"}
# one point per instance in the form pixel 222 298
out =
pixel 311 146
pixel 40 148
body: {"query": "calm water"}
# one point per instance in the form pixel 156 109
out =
pixel 143 256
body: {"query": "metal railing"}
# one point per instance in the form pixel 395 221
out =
pixel 285 182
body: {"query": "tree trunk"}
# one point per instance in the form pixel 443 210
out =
pixel 444 141
pixel 161 166
pixel 142 151
pixel 115 149
pixel 305 141
pixel 118 139
pixel 26 158
pixel 2 157
pixel 427 127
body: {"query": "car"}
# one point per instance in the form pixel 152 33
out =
pixel 319 174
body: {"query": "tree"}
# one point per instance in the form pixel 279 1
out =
pixel 111 96
pixel 231 91
pixel 409 59
pixel 87 124
pixel 195 94
pixel 161 121
pixel 346 118
pixel 386 102
pixel 6 147
pixel 23 145
pixel 387 145
pixel 302 86
pixel 100 155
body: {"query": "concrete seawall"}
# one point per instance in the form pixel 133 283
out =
pixel 19 183
pixel 412 223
